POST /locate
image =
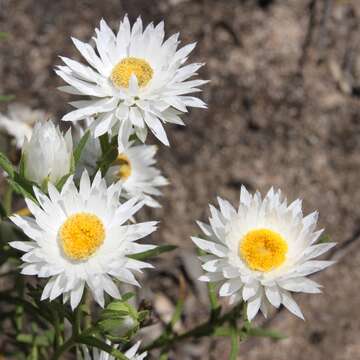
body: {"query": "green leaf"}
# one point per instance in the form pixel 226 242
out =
pixel 81 146
pixel 260 332
pixel 324 239
pixel 6 165
pixel 104 143
pixel 107 159
pixel 21 190
pixel 3 35
pixel 62 181
pixel 153 252
pixel 4 98
pixel 22 166
pixel 127 296
pixel 3 213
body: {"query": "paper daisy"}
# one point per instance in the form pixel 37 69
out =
pixel 19 122
pixel 135 169
pixel 131 354
pixel 81 237
pixel 262 252
pixel 48 154
pixel 135 80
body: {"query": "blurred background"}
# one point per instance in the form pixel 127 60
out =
pixel 284 111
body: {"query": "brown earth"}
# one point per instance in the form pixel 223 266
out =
pixel 284 111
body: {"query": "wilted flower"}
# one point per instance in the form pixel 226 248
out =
pixel 80 237
pixel 136 80
pixel 19 122
pixel 262 252
pixel 48 155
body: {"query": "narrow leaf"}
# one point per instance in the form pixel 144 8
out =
pixel 3 213
pixel 4 98
pixel 20 190
pixel 3 35
pixel 81 146
pixel 260 332
pixel 153 252
pixel 6 165
pixel 62 182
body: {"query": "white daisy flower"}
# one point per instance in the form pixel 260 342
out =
pixel 48 154
pixel 131 354
pixel 135 169
pixel 19 122
pixel 262 252
pixel 135 80
pixel 81 237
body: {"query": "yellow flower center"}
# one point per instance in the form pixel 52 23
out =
pixel 125 166
pixel 81 235
pixel 121 73
pixel 263 249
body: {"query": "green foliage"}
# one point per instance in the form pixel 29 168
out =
pixel 119 321
pixel 109 153
pixel 5 98
pixel 62 181
pixel 324 238
pixel 5 163
pixel 80 147
pixel 260 332
pixel 21 187
pixel 3 35
pixel 3 212
pixel 153 252
pixel 16 180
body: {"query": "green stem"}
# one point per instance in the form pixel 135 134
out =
pixel 234 338
pixel 234 345
pixel 57 326
pixel 8 200
pixel 66 346
pixel 77 322
pixel 205 329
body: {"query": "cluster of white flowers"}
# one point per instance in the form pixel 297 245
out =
pixel 80 234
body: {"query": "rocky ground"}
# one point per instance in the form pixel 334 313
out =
pixel 284 111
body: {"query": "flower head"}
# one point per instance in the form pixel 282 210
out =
pixel 135 81
pixel 80 237
pixel 262 252
pixel 19 122
pixel 134 168
pixel 48 154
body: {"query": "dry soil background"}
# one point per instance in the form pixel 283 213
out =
pixel 284 111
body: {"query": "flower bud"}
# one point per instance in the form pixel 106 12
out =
pixel 48 155
pixel 119 321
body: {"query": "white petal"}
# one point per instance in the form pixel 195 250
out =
pixel 253 307
pixel 250 290
pixel 290 304
pixel 300 284
pixel 210 247
pixel 273 295
pixel 230 287
pixel 76 294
